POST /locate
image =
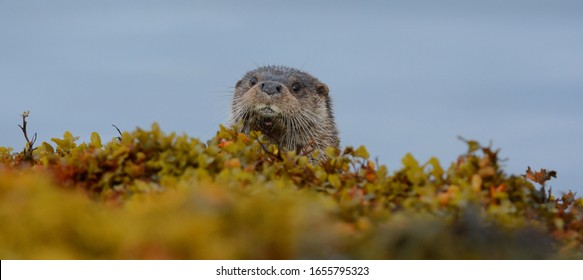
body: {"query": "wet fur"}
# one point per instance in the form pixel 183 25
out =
pixel 293 120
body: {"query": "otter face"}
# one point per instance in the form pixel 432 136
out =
pixel 291 107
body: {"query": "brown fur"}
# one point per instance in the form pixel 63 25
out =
pixel 290 107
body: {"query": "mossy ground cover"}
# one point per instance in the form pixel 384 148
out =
pixel 152 195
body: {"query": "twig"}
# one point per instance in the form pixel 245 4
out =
pixel 28 149
pixel 308 149
pixel 276 156
pixel 118 131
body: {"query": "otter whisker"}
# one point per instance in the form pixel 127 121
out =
pixel 290 107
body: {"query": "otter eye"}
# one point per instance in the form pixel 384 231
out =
pixel 296 87
pixel 253 81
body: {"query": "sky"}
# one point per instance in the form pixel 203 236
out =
pixel 404 76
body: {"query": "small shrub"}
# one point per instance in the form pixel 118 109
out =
pixel 152 195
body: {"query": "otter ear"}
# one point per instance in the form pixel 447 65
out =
pixel 322 89
pixel 239 83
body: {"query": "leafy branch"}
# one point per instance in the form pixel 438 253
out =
pixel 541 177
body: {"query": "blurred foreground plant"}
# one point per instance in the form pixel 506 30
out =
pixel 148 194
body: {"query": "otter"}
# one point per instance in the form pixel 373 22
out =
pixel 290 107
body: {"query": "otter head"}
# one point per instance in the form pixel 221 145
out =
pixel 290 107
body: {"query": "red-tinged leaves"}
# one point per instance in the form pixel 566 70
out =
pixel 540 177
pixel 237 197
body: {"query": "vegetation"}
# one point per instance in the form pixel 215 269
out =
pixel 152 195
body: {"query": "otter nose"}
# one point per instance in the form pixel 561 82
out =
pixel 270 87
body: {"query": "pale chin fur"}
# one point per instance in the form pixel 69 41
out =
pixel 274 108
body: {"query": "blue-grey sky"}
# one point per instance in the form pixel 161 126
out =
pixel 405 76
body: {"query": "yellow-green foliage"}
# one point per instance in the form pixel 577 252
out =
pixel 154 195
